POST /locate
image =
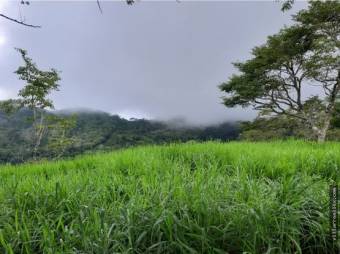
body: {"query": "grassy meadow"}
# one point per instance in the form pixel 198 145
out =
pixel 208 197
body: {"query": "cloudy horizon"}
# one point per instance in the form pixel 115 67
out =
pixel 156 60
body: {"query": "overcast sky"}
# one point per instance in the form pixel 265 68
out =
pixel 158 60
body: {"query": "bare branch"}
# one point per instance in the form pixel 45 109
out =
pixel 99 6
pixel 18 21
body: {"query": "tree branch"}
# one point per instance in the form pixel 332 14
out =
pixel 333 96
pixel 18 21
pixel 99 6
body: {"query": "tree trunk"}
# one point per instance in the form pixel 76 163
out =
pixel 40 128
pixel 322 132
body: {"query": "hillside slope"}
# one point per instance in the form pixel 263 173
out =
pixel 97 130
pixel 189 198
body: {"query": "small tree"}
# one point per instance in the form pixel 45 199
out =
pixel 34 95
pixel 277 79
pixel 60 136
pixel 55 130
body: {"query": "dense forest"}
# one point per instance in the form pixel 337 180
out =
pixel 95 130
pixel 100 131
pixel 283 127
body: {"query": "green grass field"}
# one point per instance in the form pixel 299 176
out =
pixel 181 198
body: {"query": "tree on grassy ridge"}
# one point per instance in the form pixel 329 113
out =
pixel 276 80
pixel 35 93
pixel 46 130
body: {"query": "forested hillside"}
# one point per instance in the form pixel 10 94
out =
pixel 282 127
pixel 96 130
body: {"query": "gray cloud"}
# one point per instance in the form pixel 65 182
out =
pixel 154 59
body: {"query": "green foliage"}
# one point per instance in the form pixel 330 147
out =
pixel 281 71
pixel 189 198
pixel 60 136
pixel 9 107
pixel 285 127
pixel 39 84
pixel 335 122
pixel 323 19
pixel 276 128
pixel 68 134
pixel 287 5
pixel 262 82
pixel 34 95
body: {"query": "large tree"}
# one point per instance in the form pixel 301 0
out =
pixel 279 77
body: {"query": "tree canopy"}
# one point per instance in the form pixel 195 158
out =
pixel 278 78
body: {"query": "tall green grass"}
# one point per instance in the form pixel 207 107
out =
pixel 181 198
